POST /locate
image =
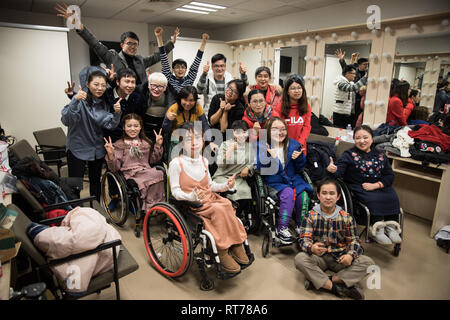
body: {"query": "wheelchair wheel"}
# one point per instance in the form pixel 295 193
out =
pixel 397 249
pixel 266 243
pixel 167 240
pixel 114 198
pixel 345 202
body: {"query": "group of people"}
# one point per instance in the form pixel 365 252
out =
pixel 121 115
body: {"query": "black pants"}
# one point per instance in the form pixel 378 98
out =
pixel 341 120
pixel 77 167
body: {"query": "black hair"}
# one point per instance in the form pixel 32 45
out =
pixel 253 92
pixel 217 57
pixel 401 89
pixel 328 180
pixel 394 83
pixel 364 127
pixel 419 113
pixel 89 98
pixel 240 87
pixel 261 69
pixel 184 93
pixel 128 34
pixel 286 102
pixel 362 60
pixel 347 69
pixel 413 93
pixel 239 124
pixel 125 72
pixel 179 62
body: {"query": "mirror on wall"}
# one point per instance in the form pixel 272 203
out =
pixel 423 61
pixel 291 61
pixel 346 103
pixel 413 72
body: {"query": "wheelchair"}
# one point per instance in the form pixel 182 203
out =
pixel 361 214
pixel 119 196
pixel 172 234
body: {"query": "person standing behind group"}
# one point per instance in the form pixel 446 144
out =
pixel 213 82
pixel 272 93
pixel 178 78
pixel 399 106
pixel 227 108
pixel 295 110
pixel 86 116
pixel 127 57
pixel 344 106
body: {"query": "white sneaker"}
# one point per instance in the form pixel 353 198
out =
pixel 285 236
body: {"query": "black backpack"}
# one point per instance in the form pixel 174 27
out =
pixel 318 158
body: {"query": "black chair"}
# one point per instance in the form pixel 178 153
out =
pixel 123 265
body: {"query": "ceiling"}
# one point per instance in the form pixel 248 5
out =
pixel 162 12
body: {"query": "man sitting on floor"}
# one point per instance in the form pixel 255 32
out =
pixel 329 240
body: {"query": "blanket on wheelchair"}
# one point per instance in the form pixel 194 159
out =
pixel 81 230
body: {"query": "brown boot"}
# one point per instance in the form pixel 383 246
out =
pixel 227 263
pixel 238 254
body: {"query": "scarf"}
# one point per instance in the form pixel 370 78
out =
pixel 266 114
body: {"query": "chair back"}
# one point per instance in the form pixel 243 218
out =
pixel 22 149
pixel 51 137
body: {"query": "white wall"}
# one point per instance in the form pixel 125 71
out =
pixel 407 73
pixel 345 13
pixel 423 45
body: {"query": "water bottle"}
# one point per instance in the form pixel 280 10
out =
pixel 349 137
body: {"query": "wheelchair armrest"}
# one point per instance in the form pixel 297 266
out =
pixel 101 247
pixel 186 203
pixel 67 203
pixel 161 168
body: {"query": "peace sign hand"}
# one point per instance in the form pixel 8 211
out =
pixel 272 152
pixel 81 95
pixel 158 137
pixel 109 147
pixel 69 89
pixel 110 73
pixel 117 107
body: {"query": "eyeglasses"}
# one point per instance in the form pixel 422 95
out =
pixel 132 44
pixel 180 67
pixel 262 101
pixel 156 86
pixel 232 90
pixel 219 66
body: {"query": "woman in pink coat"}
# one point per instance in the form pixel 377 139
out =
pixel 133 154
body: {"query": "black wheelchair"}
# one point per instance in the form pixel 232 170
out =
pixel 361 214
pixel 173 232
pixel 119 196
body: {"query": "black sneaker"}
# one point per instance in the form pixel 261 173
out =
pixel 351 292
pixel 308 285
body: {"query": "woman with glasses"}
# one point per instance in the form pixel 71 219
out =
pixel 257 112
pixel 295 110
pixel 227 108
pixel 280 161
pixel 272 93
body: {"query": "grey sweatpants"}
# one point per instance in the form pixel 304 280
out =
pixel 313 268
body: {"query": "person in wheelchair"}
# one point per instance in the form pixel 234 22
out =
pixel 190 180
pixel 280 162
pixel 236 157
pixel 329 240
pixel 369 175
pixel 133 154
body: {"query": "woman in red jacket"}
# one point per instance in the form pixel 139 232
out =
pixel 398 103
pixel 295 110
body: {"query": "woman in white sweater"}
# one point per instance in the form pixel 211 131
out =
pixel 190 180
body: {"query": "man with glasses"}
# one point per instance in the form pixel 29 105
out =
pixel 178 79
pixel 344 106
pixel 214 82
pixel 362 68
pixel 127 57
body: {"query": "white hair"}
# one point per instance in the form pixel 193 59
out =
pixel 157 77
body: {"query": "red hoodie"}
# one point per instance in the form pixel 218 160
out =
pixel 299 126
